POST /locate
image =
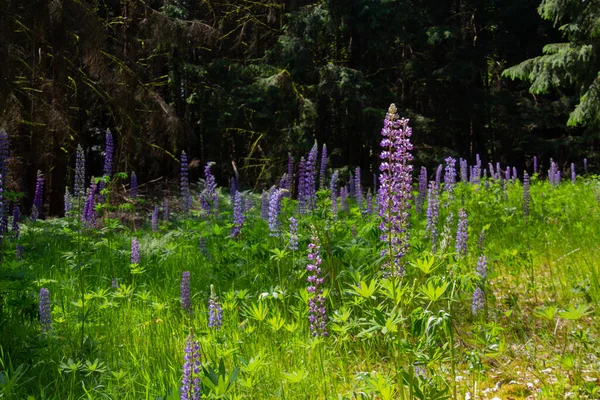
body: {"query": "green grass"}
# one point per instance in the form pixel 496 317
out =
pixel 539 325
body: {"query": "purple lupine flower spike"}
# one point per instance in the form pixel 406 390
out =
pixel 302 191
pixel 135 251
pixel 464 170
pixel 45 313
pixel 323 168
pixel 290 174
pixel 394 191
pixel 573 174
pixel 133 183
pixel 238 215
pixel 208 195
pixel 215 310
pixel 68 200
pixel 358 188
pixel 438 176
pixel 585 166
pixel 38 198
pixel 507 174
pixel 264 205
pixel 108 154
pixel 317 313
pixel 450 175
pixel 88 217
pixel 79 188
pixel 155 218
pixel 433 204
pixel 274 209
pixel 343 199
pixel 479 295
pixel 514 174
pixel 186 302
pixel 535 164
pixel 422 189
pixel 526 194
pixel 293 243
pixel 333 192
pixel 191 388
pixel 462 233
pixel 186 199
pixel 369 203
pixel 310 177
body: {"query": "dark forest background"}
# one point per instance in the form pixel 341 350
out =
pixel 250 80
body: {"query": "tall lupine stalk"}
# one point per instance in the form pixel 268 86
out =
pixel 88 216
pixel 323 168
pixel 394 191
pixel 358 188
pixel 526 194
pixel 450 175
pixel 186 302
pixel 369 203
pixel 343 199
pixel 209 194
pixel 479 295
pixel 186 199
pixel 155 218
pixel 535 164
pixel 135 251
pixel 293 243
pixel 552 172
pixel 317 311
pixel 264 205
pixel 16 215
pixel 464 177
pixel 491 168
pixel 79 188
pixel 333 192
pixel 462 233
pixel 133 185
pixel 302 192
pixel 498 172
pixel 215 310
pixel 311 177
pixel 238 215
pixel 68 201
pixel 433 207
pixel 108 161
pixel 422 190
pixel 585 166
pixel 507 174
pixel 438 176
pixel 38 197
pixel 477 170
pixel 191 387
pixel 274 209
pixel 514 174
pixel 573 174
pixel 45 312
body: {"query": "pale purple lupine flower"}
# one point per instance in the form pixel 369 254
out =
pixel 535 164
pixel 358 188
pixel 438 176
pixel 323 167
pixel 394 192
pixel 514 174
pixel 507 174
pixel 293 243
pixel 68 201
pixel 133 184
pixel 186 302
pixel 433 204
pixel 238 215
pixel 88 217
pixel 498 172
pixel 476 174
pixel 79 188
pixel 135 251
pixel 264 205
pixel 186 198
pixel 462 233
pixel 343 199
pixel 526 194
pixel 155 218
pixel 464 170
pixel 16 215
pixel 450 175
pixel 38 197
pixel 45 312
pixel 585 166
pixel 108 153
pixel 274 208
pixel 478 301
pixel 317 311
pixel 422 190
pixel 479 295
pixel 302 200
pixel 333 192
pixel 191 388
pixel 215 311
pixel 290 174
pixel 208 195
pixel 481 269
pixel 369 205
pixel 573 175
pixel 552 173
pixel 311 177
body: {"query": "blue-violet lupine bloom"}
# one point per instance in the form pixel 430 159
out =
pixel 302 191
pixel 507 174
pixel 535 164
pixel 316 303
pixel 433 207
pixel 37 199
pixel 293 244
pixel 155 218
pixel 369 205
pixel 478 301
pixel 79 188
pixel 207 197
pixel 552 173
pixel 464 170
pixel 450 175
pixel 191 388
pixel 135 251
pixel 186 302
pixel 481 269
pixel 311 177
pixel 492 173
pixel 290 174
pixel 215 311
pixel 438 176
pixel 395 187
pixel 333 192
pixel 68 200
pixel 186 199
pixel 420 200
pixel 477 170
pixel 274 208
pixel 16 215
pixel 88 217
pixel 323 167
pixel 133 183
pixel 526 194
pixel 462 233
pixel 238 215
pixel 343 199
pixel 108 154
pixel 45 314
pixel 264 205
pixel 514 174
pixel 573 175
pixel 498 171
pixel 358 188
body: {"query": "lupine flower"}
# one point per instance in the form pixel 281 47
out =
pixel 79 188
pixel 323 167
pixel 464 170
pixel 478 301
pixel 481 241
pixel 166 209
pixel 535 164
pixel 37 199
pixel 282 181
pixel 491 168
pixel 15 221
pixel 422 189
pixel 191 388
pixel 433 204
pixel 358 188
pixel 438 176
pixel 215 311
pixel 552 173
pixel 369 206
pixel 293 244
pixel 302 192
pixel 135 251
pixel 155 218
pixel 476 174
pixel 133 183
pixel 333 192
pixel 274 208
pixel 264 205
pixel 450 175
pixel 462 233
pixel 317 311
pixel 248 203
pixel 207 197
pixel 585 166
pixel 186 302
pixel 507 174
pixel 68 200
pixel 186 199
pixel 526 194
pixel 290 173
pixel 446 234
pixel 481 269
pixel 108 154
pixel 45 314
pixel 498 171
pixel 311 176
pixel 2 213
pixel 238 215
pixel 479 295
pixel 88 217
pixel 394 192
pixel 573 175
pixel 4 155
pixel 350 188
pixel 343 199
pixel 514 174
